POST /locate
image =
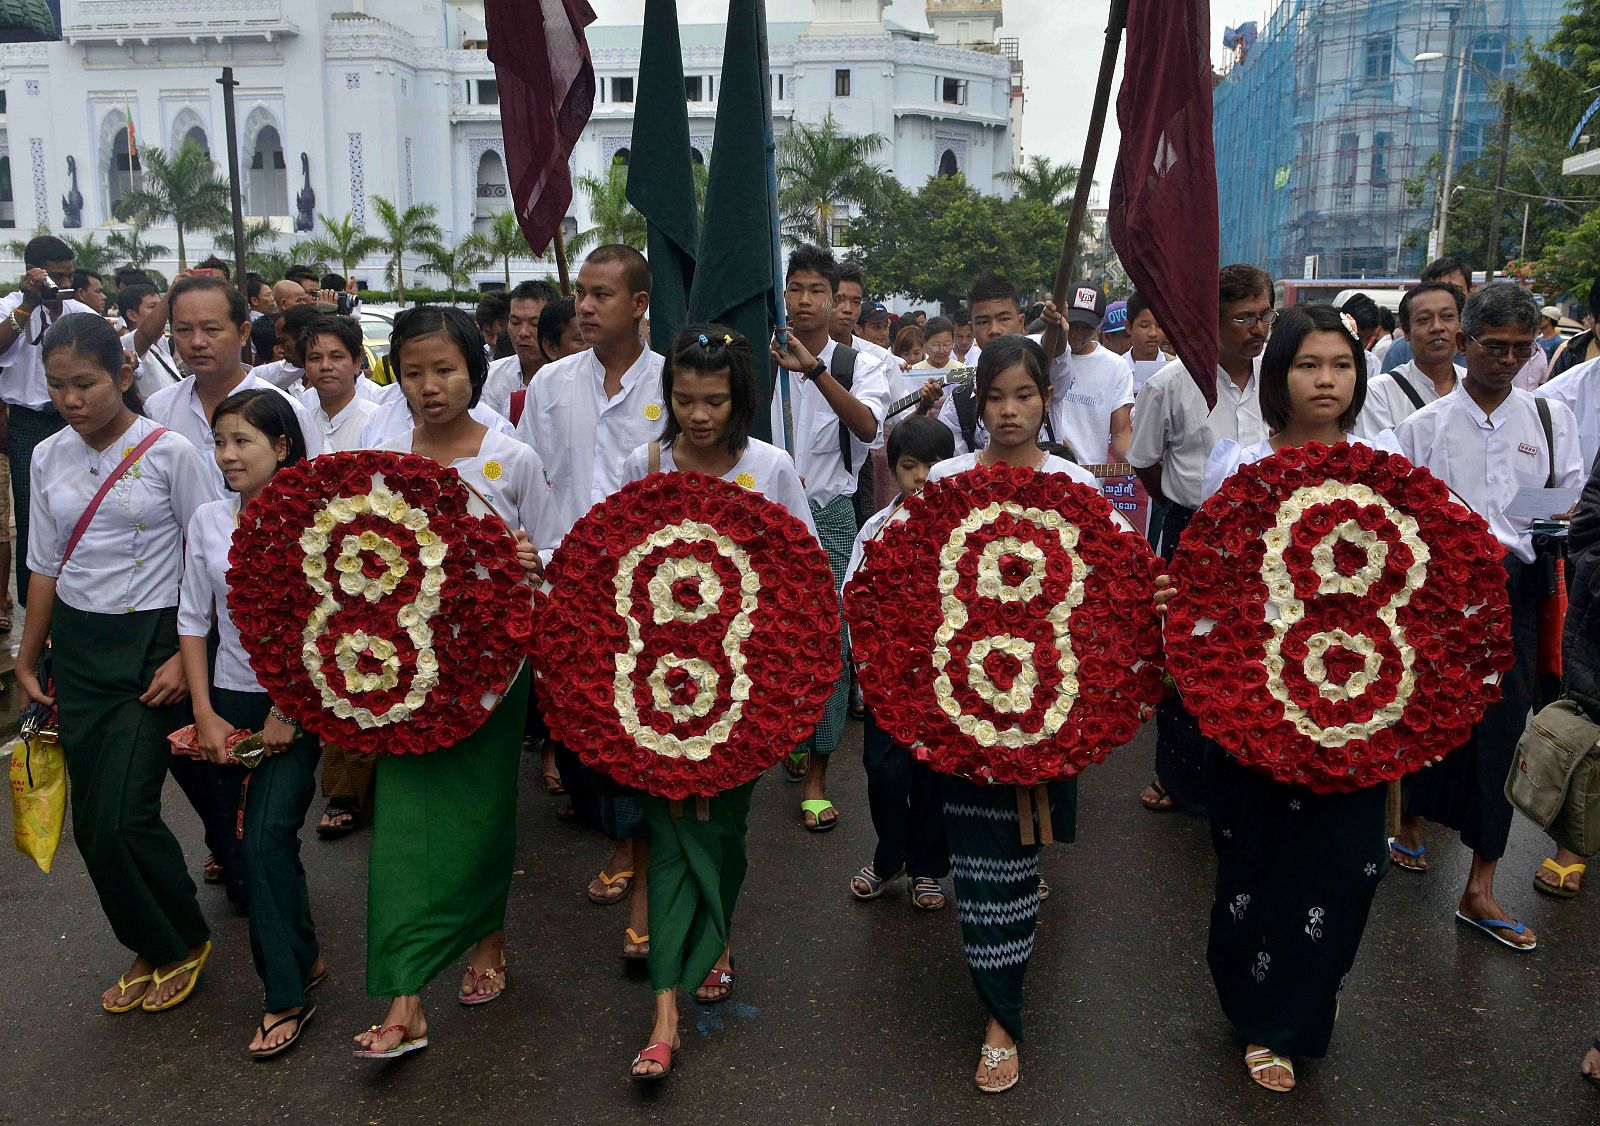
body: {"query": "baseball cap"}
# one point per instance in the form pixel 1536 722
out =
pixel 1086 305
pixel 1116 317
pixel 1552 312
pixel 874 311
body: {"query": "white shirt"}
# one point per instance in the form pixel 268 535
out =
pixel 342 432
pixel 505 378
pixel 1226 459
pixel 1085 391
pixel 131 554
pixel 971 358
pixel 510 476
pixel 952 421
pixel 178 407
pixel 890 361
pixel 22 365
pixel 1579 388
pixel 871 530
pixel 375 393
pixel 281 374
pixel 1486 460
pixel 393 417
pixel 1173 427
pixel 156 368
pixel 204 593
pixel 816 428
pixel 584 437
pixel 762 468
pixel 1388 405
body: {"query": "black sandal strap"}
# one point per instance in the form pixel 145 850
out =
pixel 280 1022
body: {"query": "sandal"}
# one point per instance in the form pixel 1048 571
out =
pixel 926 894
pixel 641 941
pixel 1417 864
pixel 657 1053
pixel 867 884
pixel 1263 1058
pixel 123 985
pixel 1592 1076
pixel 1164 803
pixel 816 807
pixel 1044 890
pixel 211 872
pixel 608 882
pixel 1559 889
pixel 480 978
pixel 716 979
pixel 333 832
pixel 406 1044
pixel 157 979
pixel 5 620
pixel 300 1019
pixel 797 765
pixel 552 784
pixel 990 1060
pixel 1497 928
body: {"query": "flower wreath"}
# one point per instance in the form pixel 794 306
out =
pixel 1340 620
pixel 688 636
pixel 1004 627
pixel 412 613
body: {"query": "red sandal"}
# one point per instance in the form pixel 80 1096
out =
pixel 716 979
pixel 406 1044
pixel 659 1054
pixel 478 995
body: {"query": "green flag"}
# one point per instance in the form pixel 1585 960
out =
pixel 735 279
pixel 661 172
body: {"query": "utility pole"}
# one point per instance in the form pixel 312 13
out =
pixel 1450 159
pixel 1494 257
pixel 228 82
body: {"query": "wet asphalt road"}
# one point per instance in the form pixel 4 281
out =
pixel 843 1013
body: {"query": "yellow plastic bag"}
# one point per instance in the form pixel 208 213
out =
pixel 38 797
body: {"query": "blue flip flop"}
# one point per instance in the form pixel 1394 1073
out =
pixel 1415 853
pixel 1494 928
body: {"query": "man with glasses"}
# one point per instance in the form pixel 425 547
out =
pixel 1431 315
pixel 42 297
pixel 1489 440
pixel 1174 432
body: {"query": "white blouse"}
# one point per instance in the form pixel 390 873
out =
pixel 131 555
pixel 342 432
pixel 204 593
pixel 511 477
pixel 762 468
pixel 393 417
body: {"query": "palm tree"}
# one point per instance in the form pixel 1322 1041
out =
pixel 88 254
pixel 128 247
pixel 343 241
pixel 614 219
pixel 413 228
pixel 504 241
pixel 456 264
pixel 1042 180
pixel 182 188
pixel 260 246
pixel 821 171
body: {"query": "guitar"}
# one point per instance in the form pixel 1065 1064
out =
pixel 960 377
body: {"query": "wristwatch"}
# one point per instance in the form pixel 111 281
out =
pixel 818 370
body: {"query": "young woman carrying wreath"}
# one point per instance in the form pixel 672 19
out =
pixel 112 495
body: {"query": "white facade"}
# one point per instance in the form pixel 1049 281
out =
pixel 396 98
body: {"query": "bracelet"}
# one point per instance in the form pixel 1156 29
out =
pixel 281 718
pixel 20 325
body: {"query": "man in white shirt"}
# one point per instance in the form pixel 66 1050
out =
pixel 828 406
pixel 966 349
pixel 1091 387
pixel 1431 315
pixel 144 312
pixel 515 372
pixel 994 308
pixel 24 317
pixel 259 294
pixel 288 374
pixel 332 347
pixel 1579 388
pixel 1174 431
pixel 210 323
pixel 1489 440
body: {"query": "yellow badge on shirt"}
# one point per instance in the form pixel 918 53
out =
pixel 492 470
pixel 748 480
pixel 652 411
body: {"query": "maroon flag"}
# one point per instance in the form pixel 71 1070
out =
pixel 541 62
pixel 1163 206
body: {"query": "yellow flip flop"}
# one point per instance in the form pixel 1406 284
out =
pixel 193 967
pixel 1559 889
pixel 123 985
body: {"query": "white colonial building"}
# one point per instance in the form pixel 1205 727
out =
pixel 340 101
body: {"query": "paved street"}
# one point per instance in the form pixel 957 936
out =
pixel 844 1012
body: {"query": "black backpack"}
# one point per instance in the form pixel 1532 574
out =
pixel 842 366
pixel 966 403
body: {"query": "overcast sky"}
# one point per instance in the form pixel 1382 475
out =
pixel 1061 44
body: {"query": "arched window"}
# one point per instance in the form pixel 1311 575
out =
pixel 947 163
pixel 621 157
pixel 197 136
pixel 494 196
pixel 267 179
pixel 123 174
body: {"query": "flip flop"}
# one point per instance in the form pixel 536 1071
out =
pixel 406 1044
pixel 479 996
pixel 302 1017
pixel 607 880
pixel 797 766
pixel 157 979
pixel 1415 854
pixel 123 985
pixel 817 807
pixel 1559 889
pixel 659 1054
pixel 636 939
pixel 875 883
pixel 335 832
pixel 1263 1058
pixel 991 1058
pixel 1494 927
pixel 1161 796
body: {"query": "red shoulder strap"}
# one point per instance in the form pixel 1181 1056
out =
pixel 519 399
pixel 126 464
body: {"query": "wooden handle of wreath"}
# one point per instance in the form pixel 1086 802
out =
pixel 1025 813
pixel 676 809
pixel 1394 809
pixel 1041 804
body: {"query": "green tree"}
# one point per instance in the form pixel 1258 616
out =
pixel 613 219
pixel 260 246
pixel 87 254
pixel 413 228
pixel 1041 180
pixel 822 172
pixel 455 264
pixel 129 247
pixel 343 241
pixel 504 241
pixel 181 188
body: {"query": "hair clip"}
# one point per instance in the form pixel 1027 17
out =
pixel 726 339
pixel 704 343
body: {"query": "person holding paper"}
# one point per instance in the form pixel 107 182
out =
pixel 1489 440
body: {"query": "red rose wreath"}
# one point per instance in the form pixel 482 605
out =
pixel 1340 619
pixel 1004 627
pixel 689 635
pixel 380 600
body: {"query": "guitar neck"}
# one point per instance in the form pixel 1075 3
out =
pixel 954 375
pixel 1110 469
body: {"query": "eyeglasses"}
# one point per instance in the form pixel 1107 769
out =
pixel 1503 351
pixel 1250 320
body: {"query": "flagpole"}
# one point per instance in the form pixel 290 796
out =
pixel 1053 342
pixel 769 139
pixel 560 248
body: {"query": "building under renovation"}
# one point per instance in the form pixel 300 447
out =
pixel 1323 116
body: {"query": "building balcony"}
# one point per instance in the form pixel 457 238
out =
pixel 150 21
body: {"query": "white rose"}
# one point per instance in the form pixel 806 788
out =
pixel 324 522
pixel 432 555
pixel 343 709
pixel 432 582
